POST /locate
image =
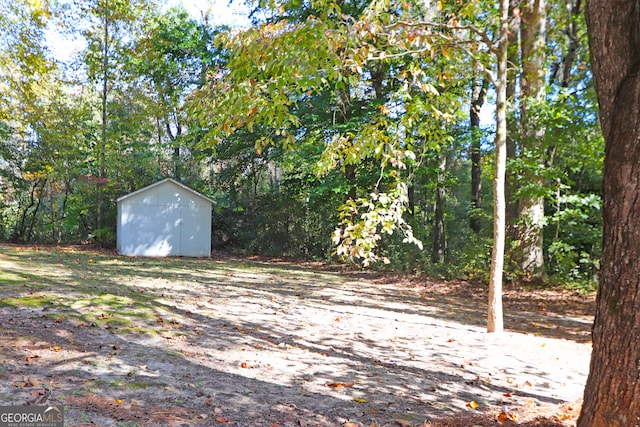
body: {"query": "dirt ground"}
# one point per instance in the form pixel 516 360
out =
pixel 247 342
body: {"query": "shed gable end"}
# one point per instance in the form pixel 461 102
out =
pixel 164 219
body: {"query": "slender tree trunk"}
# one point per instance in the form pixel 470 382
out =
pixel 173 137
pixel 176 163
pixel 439 236
pixel 411 195
pixel 513 72
pixel 63 210
pixel 103 143
pixel 495 321
pixel 477 100
pixel 19 231
pixel 34 216
pixel 561 70
pixel 275 176
pixel 342 115
pixel 612 393
pixel 52 202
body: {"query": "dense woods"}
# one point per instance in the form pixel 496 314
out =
pixel 355 130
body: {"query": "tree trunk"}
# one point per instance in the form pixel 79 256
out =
pixel 561 70
pixel 494 315
pixel 34 217
pixel 173 137
pixel 19 232
pixel 103 143
pixel 612 394
pixel 532 83
pixel 513 57
pixel 341 115
pixel 477 100
pixel 439 236
pixel 411 195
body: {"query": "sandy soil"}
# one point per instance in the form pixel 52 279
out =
pixel 266 343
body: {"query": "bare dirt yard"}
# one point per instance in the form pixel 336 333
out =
pixel 247 342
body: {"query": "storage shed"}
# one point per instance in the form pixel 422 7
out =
pixel 164 219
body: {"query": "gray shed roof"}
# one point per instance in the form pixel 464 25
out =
pixel 166 180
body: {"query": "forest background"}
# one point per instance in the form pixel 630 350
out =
pixel 324 130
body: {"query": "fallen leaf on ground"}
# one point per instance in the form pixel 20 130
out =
pixel 359 400
pixel 504 416
pixel 564 416
pixel 473 404
pixel 25 382
pixel 337 385
pixel 222 420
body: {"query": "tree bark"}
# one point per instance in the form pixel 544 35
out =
pixel 495 321
pixel 612 393
pixel 103 143
pixel 19 232
pixel 477 100
pixel 439 236
pixel 513 72
pixel 561 70
pixel 532 85
pixel 341 115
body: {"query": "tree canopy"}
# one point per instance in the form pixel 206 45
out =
pixel 351 130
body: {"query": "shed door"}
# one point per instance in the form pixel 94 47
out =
pixel 158 232
pixel 194 235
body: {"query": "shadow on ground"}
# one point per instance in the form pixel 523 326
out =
pixel 151 342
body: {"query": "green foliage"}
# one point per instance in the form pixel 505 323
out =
pixel 276 68
pixel 363 221
pixel 323 120
pixel 575 248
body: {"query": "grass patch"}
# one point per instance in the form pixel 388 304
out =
pixel 139 385
pixel 32 301
pixel 7 277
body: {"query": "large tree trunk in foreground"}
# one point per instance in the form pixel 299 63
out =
pixel 612 394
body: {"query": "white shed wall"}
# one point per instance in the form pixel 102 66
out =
pixel 165 220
